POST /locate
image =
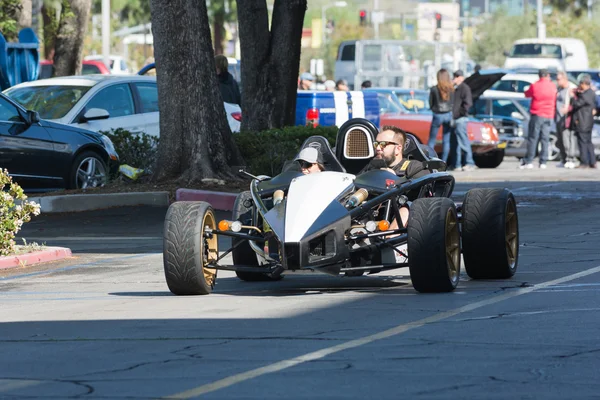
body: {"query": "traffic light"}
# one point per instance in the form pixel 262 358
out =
pixel 363 17
pixel 438 20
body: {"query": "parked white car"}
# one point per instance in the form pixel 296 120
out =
pixel 515 85
pixel 101 102
pixel 118 65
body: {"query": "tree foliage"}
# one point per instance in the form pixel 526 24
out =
pixel 9 14
pixel 497 35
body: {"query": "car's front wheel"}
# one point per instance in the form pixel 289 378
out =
pixel 89 170
pixel 189 248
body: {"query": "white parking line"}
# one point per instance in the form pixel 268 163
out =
pixel 292 362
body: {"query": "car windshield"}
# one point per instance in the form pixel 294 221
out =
pixel 51 102
pixel 414 100
pixel 536 50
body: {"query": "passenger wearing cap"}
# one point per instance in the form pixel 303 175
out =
pixel 306 81
pixel 310 161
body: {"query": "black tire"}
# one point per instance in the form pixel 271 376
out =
pixel 433 245
pixel 185 249
pixel 243 254
pixel 97 180
pixel 490 234
pixel 491 159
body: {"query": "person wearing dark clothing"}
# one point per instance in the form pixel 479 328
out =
pixel 441 97
pixel 582 122
pixel 463 100
pixel 230 92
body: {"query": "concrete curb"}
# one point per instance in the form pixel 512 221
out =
pixel 87 202
pixel 219 200
pixel 36 257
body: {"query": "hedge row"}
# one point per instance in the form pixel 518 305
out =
pixel 265 152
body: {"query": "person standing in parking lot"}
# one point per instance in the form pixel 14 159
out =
pixel 583 105
pixel 542 109
pixel 463 100
pixel 441 97
pixel 567 143
pixel 230 92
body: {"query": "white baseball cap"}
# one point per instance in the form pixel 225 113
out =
pixel 309 154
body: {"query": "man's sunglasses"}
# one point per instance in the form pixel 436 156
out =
pixel 383 144
pixel 305 164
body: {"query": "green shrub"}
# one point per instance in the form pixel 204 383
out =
pixel 266 152
pixel 138 150
pixel 12 215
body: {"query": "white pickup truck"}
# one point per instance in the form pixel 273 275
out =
pixel 553 53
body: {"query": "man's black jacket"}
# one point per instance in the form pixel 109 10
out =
pixel 463 100
pixel 229 89
pixel 583 107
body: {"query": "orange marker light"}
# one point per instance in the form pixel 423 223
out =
pixel 383 225
pixel 223 225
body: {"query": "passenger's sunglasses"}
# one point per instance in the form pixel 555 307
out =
pixel 305 164
pixel 383 144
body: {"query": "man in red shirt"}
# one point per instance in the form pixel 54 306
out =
pixel 543 106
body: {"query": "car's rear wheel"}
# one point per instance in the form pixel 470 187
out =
pixel 243 254
pixel 433 245
pixel 490 233
pixel 188 250
pixel 490 159
pixel 89 170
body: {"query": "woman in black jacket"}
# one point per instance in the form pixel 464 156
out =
pixel 440 101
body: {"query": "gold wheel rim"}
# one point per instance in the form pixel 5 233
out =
pixel 452 246
pixel 511 232
pixel 209 248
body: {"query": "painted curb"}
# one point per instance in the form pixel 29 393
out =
pixel 88 202
pixel 219 200
pixel 36 257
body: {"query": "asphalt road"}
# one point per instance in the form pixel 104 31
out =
pixel 103 325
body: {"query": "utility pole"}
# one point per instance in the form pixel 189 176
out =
pixel 541 27
pixel 106 32
pixel 589 7
pixel 376 24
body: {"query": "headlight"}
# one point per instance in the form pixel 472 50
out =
pixel 485 133
pixel 110 147
pixel 520 131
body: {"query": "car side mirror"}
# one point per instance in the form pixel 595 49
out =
pixel 569 54
pixel 506 53
pixel 516 115
pixel 33 117
pixel 94 114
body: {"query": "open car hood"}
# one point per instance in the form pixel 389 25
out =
pixel 482 80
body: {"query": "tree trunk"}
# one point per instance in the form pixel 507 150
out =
pixel 195 139
pixel 219 29
pixel 24 20
pixel 271 62
pixel 69 38
pixel 50 18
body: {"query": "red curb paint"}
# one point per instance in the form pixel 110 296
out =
pixel 36 257
pixel 219 200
